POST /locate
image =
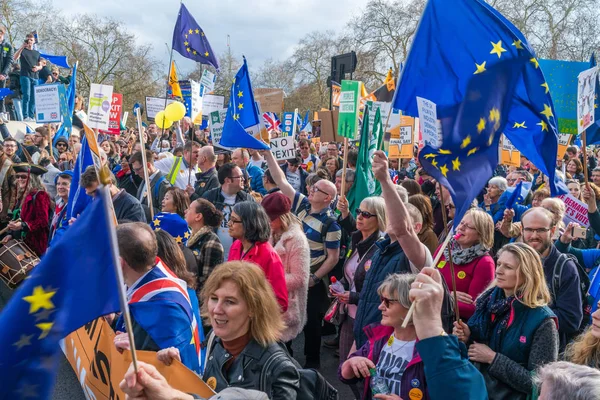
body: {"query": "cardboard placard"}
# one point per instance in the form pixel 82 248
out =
pixel 208 80
pixel 401 139
pixel 156 104
pixel 217 120
pixel 271 100
pixel 429 122
pixel 114 122
pixel 211 102
pixel 509 155
pixel 99 106
pixel 563 142
pixel 283 148
pixel 329 121
pixel 100 367
pixel 576 211
pixel 349 109
pixel 48 102
pixel 586 91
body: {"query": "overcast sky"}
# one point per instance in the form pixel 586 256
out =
pixel 259 29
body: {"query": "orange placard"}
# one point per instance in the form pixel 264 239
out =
pixel 563 142
pixel 401 139
pixel 100 367
pixel 509 155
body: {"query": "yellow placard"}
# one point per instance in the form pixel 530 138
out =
pixel 100 367
pixel 401 139
pixel 509 155
pixel 564 139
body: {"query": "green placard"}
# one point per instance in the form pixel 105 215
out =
pixel 348 117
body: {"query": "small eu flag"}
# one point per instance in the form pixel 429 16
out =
pixel 74 283
pixel 461 39
pixel 190 41
pixel 242 114
pixel 518 194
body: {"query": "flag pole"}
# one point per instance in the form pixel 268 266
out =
pixel 162 130
pixel 345 165
pixel 585 160
pixel 445 219
pixel 138 117
pixel 109 212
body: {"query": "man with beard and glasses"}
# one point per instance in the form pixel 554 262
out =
pixel 538 231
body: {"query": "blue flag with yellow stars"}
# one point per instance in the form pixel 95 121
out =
pixel 592 134
pixel 67 125
pixel 242 114
pixel 457 40
pixel 173 224
pixel 518 194
pixel 190 41
pixel 471 132
pixel 74 283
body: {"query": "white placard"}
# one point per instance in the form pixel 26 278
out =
pixel 47 103
pixel 196 113
pixel 99 106
pixel 429 124
pixel 217 120
pixel 283 148
pixel 576 211
pixel 384 110
pixel 563 139
pixel 211 102
pixel 586 92
pixel 156 104
pixel 208 80
pixel 406 133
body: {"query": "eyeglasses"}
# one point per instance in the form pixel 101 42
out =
pixel 364 214
pixel 23 177
pixel 539 231
pixel 61 145
pixel 464 224
pixel 238 177
pixel 511 180
pixel 234 221
pixel 315 189
pixel 137 170
pixel 386 302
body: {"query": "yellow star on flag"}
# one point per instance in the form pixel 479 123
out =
pixel 186 43
pixel 188 49
pixel 456 164
pixel 178 239
pixel 547 111
pixel 494 115
pixel 543 124
pixel 497 48
pixel 519 125
pixel 236 117
pixel 518 44
pixel 481 125
pixel 206 54
pixel 240 93
pixel 186 235
pixel 444 170
pixel 466 141
pixel 490 139
pixel 39 299
pixel 45 327
pixel 430 155
pixel 545 86
pixel 194 52
pixel 156 222
pixel 24 340
pixel 442 151
pixel 241 106
pixel 480 68
pixel 535 62
pixel 190 31
pixel 434 163
pixel 472 151
pixel 197 31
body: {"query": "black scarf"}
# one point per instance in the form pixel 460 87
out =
pixel 491 317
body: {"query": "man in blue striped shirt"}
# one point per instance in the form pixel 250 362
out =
pixel 324 235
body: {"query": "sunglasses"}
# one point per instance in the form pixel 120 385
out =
pixel 386 302
pixel 23 177
pixel 61 145
pixel 364 214
pixel 234 221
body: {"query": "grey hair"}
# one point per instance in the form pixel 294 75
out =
pixel 256 223
pixel 402 192
pixel 398 286
pixel 350 174
pixel 415 213
pixel 312 178
pixel 569 381
pixel 499 182
pixel 376 205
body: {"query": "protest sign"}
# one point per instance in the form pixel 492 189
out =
pixel 316 129
pixel 47 103
pixel 271 100
pixel 384 110
pixel 576 211
pixel 329 120
pixel 217 120
pixel 208 80
pixel 336 92
pixel 114 122
pixel 156 104
pixel 563 142
pixel 586 91
pixel 401 139
pixel 428 122
pixel 196 97
pixel 283 148
pixel 287 123
pixel 99 106
pixel 348 115
pixel 100 367
pixel 211 102
pixel 509 155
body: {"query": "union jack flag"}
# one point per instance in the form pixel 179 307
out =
pixel 272 122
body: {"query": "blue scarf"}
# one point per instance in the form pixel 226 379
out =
pixel 490 320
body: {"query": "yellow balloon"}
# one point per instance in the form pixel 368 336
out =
pixel 162 121
pixel 175 111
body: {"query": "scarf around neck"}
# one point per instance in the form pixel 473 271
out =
pixel 464 256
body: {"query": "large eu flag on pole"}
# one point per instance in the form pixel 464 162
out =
pixel 75 283
pixel 190 41
pixel 457 40
pixel 471 131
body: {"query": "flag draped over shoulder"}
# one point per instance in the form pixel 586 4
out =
pixel 67 125
pixel 190 41
pixel 471 131
pixel 242 113
pixel 74 283
pixel 592 134
pixel 460 39
pixel 174 82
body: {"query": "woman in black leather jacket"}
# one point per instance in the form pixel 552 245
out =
pixel 244 314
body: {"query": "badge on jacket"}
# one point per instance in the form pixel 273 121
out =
pixel 212 382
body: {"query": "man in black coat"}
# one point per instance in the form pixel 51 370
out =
pixel 208 178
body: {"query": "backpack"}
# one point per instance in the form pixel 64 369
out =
pixel 313 386
pixel 584 286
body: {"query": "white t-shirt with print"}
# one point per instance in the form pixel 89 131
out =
pixel 393 360
pixel 294 179
pixel 223 231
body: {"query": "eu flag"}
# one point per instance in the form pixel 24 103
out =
pixel 190 41
pixel 518 194
pixel 67 125
pixel 460 39
pixel 74 283
pixel 242 114
pixel 592 134
pixel 78 199
pixel 471 131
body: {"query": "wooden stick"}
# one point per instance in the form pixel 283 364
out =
pixel 138 117
pixel 345 165
pixel 445 218
pixel 585 160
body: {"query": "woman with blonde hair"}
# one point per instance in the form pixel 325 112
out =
pixel 473 265
pixel 513 331
pixel 585 350
pixel 557 207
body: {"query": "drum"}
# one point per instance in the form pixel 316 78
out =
pixel 16 260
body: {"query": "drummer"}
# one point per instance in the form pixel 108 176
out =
pixel 29 208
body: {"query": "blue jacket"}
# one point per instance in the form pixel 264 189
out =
pixel 388 259
pixel 448 372
pixel 497 209
pixel 256 174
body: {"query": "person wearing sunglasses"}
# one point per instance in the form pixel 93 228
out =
pixel 390 348
pixel 29 208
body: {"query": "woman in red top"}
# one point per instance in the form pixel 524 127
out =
pixel 474 268
pixel 250 227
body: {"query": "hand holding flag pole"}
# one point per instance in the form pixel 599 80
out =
pixel 445 219
pixel 138 117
